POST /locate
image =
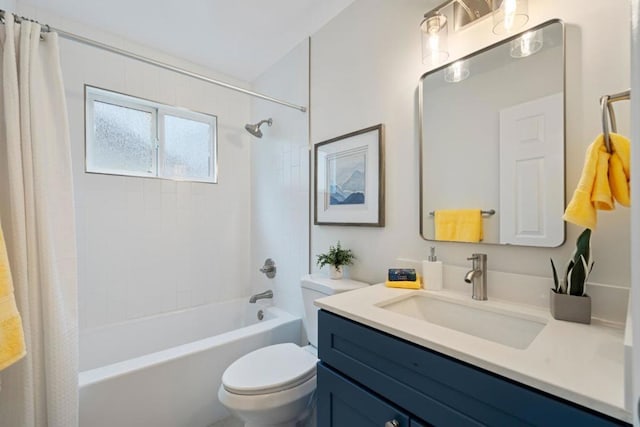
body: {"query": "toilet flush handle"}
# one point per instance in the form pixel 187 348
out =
pixel 392 423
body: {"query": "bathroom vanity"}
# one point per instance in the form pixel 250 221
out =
pixel 380 365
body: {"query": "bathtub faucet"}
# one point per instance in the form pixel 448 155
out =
pixel 261 295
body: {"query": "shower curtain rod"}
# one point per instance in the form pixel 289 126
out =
pixel 83 40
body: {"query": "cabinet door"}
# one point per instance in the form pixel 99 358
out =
pixel 342 403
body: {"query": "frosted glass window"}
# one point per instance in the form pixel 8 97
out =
pixel 123 139
pixel 187 151
pixel 137 137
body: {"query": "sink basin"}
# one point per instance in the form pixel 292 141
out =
pixel 491 323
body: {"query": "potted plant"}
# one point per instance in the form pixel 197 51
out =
pixel 569 299
pixel 336 258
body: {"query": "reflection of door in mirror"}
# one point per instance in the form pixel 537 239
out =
pixel 495 140
pixel 531 168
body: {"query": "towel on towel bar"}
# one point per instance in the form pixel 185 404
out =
pixel 12 346
pixel 605 178
pixel 459 225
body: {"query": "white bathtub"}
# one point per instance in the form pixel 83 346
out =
pixel 164 371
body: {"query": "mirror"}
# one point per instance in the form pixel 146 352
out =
pixel 492 139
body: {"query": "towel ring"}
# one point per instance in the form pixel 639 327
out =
pixel 609 115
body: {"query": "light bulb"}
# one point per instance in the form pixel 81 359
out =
pixel 526 45
pixel 456 72
pixel 434 39
pixel 509 7
pixel 509 15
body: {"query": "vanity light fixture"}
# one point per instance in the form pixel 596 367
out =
pixel 456 72
pixel 526 45
pixel 434 32
pixel 508 16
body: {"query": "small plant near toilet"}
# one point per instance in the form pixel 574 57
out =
pixel 336 259
pixel 568 298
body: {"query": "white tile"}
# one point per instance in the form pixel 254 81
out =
pixel 117 307
pixel 198 188
pixel 152 200
pixel 152 185
pixel 95 309
pixel 142 80
pixel 183 299
pixel 169 186
pixel 184 199
pixel 169 201
pixel 135 203
pixel 295 156
pixel 138 306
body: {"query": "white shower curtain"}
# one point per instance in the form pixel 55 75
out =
pixel 36 212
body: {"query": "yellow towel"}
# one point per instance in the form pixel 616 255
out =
pixel 461 225
pixel 620 169
pixel 12 346
pixel 416 284
pixel 605 178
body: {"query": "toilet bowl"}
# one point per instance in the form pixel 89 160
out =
pixel 271 386
pixel 274 386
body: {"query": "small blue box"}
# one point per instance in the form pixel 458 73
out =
pixel 402 275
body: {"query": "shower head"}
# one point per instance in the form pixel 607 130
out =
pixel 255 129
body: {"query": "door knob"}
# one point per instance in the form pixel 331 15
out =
pixel 392 423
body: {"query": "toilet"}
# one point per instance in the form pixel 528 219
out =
pixel 274 385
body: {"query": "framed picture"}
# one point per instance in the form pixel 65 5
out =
pixel 349 179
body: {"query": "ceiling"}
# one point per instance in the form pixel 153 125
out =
pixel 240 38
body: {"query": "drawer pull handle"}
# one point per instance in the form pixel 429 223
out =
pixel 392 423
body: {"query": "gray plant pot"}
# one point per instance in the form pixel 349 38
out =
pixel 571 308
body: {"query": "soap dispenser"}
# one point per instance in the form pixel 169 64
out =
pixel 432 272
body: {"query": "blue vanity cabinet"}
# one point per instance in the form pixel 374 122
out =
pixel 369 378
pixel 342 403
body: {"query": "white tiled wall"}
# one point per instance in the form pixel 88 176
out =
pixel 148 246
pixel 280 181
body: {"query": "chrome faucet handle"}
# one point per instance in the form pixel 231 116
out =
pixel 479 260
pixel 269 268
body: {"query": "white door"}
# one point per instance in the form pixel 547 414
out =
pixel 532 172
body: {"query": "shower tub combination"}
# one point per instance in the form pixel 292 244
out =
pixel 165 371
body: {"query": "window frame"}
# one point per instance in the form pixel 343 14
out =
pixel 158 111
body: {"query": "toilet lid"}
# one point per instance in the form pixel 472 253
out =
pixel 270 369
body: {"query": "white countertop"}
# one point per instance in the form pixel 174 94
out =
pixel 580 363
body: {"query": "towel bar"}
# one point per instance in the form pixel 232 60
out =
pixel 490 212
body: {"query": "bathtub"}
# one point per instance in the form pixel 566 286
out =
pixel 165 371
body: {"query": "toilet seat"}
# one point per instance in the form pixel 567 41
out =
pixel 269 370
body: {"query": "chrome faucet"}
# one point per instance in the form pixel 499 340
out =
pixel 262 295
pixel 478 276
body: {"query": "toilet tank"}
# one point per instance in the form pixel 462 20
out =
pixel 314 287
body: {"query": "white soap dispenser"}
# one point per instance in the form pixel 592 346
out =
pixel 432 272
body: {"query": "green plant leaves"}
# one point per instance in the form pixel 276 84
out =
pixel 556 285
pixel 336 257
pixel 576 278
pixel 578 267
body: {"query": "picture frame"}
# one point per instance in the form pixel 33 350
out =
pixel 349 179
